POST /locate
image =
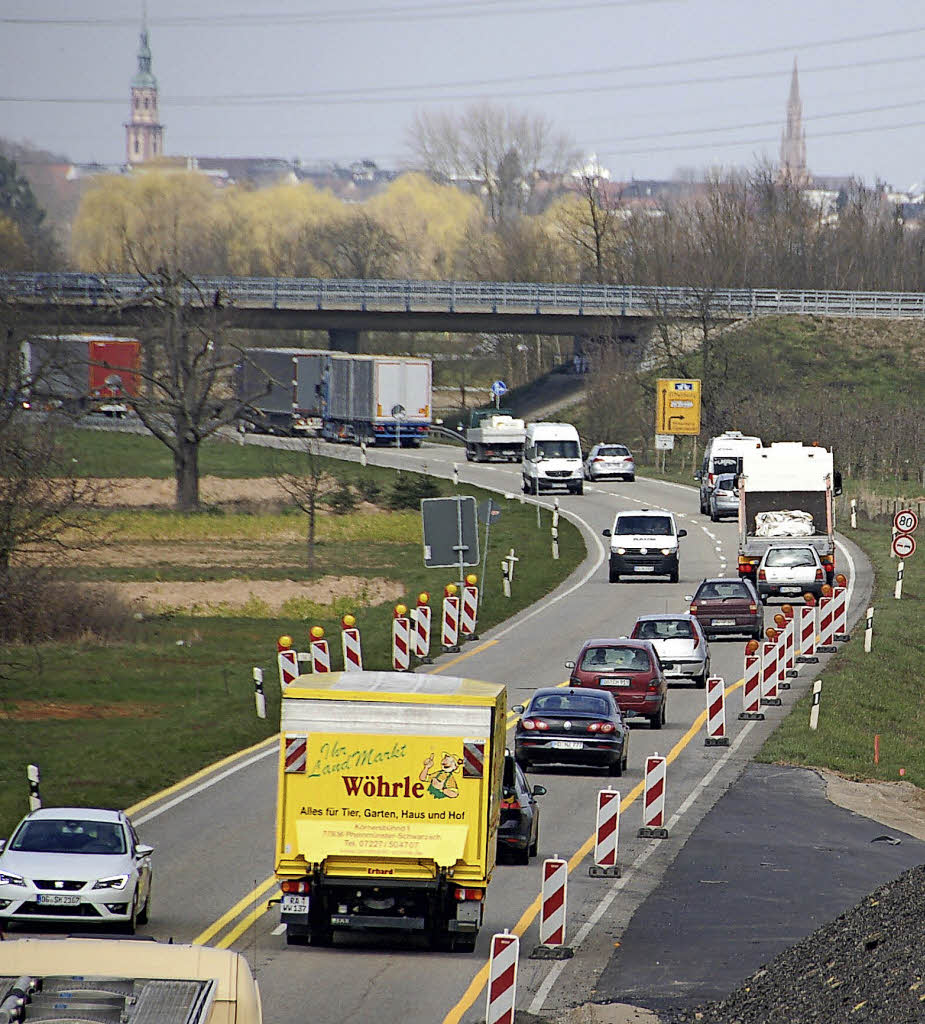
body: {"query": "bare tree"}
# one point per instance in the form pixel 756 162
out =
pixel 592 226
pixel 304 488
pixel 356 246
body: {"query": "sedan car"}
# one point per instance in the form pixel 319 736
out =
pixel 724 498
pixel 75 865
pixel 610 460
pixel 519 832
pixel 681 645
pixel 630 670
pixel 728 606
pixel 790 571
pixel 574 726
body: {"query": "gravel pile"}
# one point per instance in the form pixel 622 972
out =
pixel 867 965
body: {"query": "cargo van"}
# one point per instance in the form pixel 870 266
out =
pixel 723 454
pixel 552 458
pixel 644 541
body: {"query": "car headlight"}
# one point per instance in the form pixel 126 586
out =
pixel 666 551
pixel 621 551
pixel 112 882
pixel 7 879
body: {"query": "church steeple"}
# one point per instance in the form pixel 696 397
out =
pixel 793 137
pixel 144 136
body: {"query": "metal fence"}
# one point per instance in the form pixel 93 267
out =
pixel 467 296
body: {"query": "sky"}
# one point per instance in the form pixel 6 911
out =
pixel 652 87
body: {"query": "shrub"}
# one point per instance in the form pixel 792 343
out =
pixel 369 490
pixel 343 499
pixel 410 488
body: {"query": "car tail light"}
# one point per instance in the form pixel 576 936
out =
pixel 745 565
pixel 460 895
pixel 753 607
pixel 693 609
pixel 534 723
pixel 710 479
pixel 762 575
pixel 818 574
pixel 296 885
pixel 600 727
pixel 598 458
pixel 653 686
pixel 378 429
pixel 511 804
pixel 696 641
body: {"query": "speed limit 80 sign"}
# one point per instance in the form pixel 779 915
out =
pixel 905 521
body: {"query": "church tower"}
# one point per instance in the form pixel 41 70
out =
pixel 144 136
pixel 793 137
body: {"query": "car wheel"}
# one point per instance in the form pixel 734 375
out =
pixel 631 478
pixel 321 937
pixel 144 915
pixel 524 764
pixel 296 935
pixel 701 681
pixel 615 768
pixel 714 518
pixel 580 489
pixel 128 927
pixel 535 845
pixel 520 856
pixel 626 758
pixel 658 719
pixel 536 486
pixel 673 575
pixel 463 943
pixel 614 576
pixel 523 485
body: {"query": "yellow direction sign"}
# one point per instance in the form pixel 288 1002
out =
pixel 677 407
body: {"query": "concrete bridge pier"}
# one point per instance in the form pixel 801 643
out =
pixel 343 339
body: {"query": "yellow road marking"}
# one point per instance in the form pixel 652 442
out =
pixel 463 656
pixel 203 937
pixel 241 927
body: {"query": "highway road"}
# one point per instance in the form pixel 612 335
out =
pixel 214 834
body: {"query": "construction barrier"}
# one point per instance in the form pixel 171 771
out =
pixel 352 646
pixel 469 611
pixel 751 685
pixel 716 713
pixel 606 835
pixel 653 801
pixel 287 660
pixel 449 638
pixel 808 627
pixel 826 625
pixel 781 620
pixel 401 640
pixel 421 644
pixel 502 978
pixel 840 594
pixel 790 667
pixel 769 654
pixel 320 655
pixel 554 893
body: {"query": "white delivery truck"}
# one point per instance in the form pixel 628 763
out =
pixel 644 541
pixel 552 458
pixel 495 434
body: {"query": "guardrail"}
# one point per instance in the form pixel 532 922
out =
pixel 466 296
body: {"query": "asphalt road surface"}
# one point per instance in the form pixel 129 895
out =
pixel 214 834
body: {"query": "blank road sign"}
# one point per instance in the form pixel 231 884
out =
pixel 450 530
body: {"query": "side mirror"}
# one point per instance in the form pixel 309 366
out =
pixel 606 533
pixel 698 475
pixel 570 664
pixel 539 791
pixel 836 483
pixel 143 850
pixel 688 597
pixel 518 709
pixel 682 533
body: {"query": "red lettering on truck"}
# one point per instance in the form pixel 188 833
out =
pixel 370 786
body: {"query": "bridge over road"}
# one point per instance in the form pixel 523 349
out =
pixel 345 307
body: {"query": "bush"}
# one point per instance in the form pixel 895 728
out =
pixel 369 490
pixel 409 489
pixel 343 499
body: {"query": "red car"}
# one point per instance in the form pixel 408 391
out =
pixel 630 670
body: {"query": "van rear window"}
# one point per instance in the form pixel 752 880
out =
pixel 726 464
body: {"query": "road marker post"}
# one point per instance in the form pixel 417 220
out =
pixel 449 634
pixel 351 644
pixel 807 655
pixel 606 835
pixel 34 777
pixel 555 529
pixel 769 649
pixel 854 514
pixel 751 686
pixel 501 996
pixel 259 696
pixel 401 639
pixel 869 631
pixel 653 801
pixel 553 894
pixel 898 589
pixel 421 616
pixel 716 713
pixel 287 661
pixel 814 710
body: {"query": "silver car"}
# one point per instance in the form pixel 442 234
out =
pixel 680 642
pixel 724 498
pixel 610 460
pixel 75 865
pixel 789 571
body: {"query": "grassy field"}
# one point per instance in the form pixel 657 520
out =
pixel 111 723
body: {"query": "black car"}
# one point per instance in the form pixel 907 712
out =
pixel 519 834
pixel 578 725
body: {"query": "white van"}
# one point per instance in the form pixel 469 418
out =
pixel 552 458
pixel 722 454
pixel 644 541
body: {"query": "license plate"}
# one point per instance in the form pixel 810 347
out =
pixel 566 744
pixel 614 681
pixel 723 622
pixel 58 900
pixel 790 590
pixel 643 568
pixel 295 905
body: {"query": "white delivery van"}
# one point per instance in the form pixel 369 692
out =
pixel 552 458
pixel 644 541
pixel 722 454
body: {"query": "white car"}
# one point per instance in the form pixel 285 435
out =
pixel 790 570
pixel 75 865
pixel 681 645
pixel 610 460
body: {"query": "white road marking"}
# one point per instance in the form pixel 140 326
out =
pixel 278 930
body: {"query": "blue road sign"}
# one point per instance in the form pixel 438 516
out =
pixel 499 387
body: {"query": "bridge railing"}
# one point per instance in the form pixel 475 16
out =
pixel 468 296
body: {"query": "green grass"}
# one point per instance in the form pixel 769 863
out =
pixel 865 695
pixel 177 694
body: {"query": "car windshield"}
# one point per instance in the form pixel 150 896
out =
pixel 558 449
pixel 790 558
pixel 722 591
pixel 570 703
pixel 664 629
pixel 68 835
pixel 657 526
pixel 726 464
pixel 613 449
pixel 632 659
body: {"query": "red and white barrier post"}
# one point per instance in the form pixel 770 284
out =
pixel 318 650
pixel 780 621
pixel 790 641
pixel 840 593
pixel 716 713
pixel 552 912
pixel 606 835
pixel 351 644
pixel 653 800
pixel 807 655
pixel 502 978
pixel 449 638
pixel 769 652
pixel 469 610
pixel 401 639
pixel 421 627
pixel 826 622
pixel 751 687
pixel 288 661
